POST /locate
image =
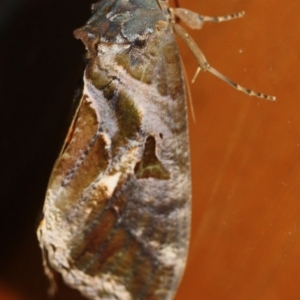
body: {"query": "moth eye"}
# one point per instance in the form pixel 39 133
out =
pixel 161 136
pixel 140 43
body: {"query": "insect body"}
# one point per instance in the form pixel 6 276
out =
pixel 117 211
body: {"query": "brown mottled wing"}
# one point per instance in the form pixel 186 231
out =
pixel 117 210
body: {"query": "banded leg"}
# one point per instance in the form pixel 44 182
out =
pixel 195 21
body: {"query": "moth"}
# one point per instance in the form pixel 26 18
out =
pixel 116 219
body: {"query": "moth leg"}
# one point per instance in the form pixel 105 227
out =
pixel 204 65
pixel 196 21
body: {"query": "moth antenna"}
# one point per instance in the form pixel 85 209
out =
pixel 189 94
pixel 204 65
pixel 195 21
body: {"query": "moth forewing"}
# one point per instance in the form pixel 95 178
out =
pixel 117 210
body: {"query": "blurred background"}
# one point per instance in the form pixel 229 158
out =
pixel 245 241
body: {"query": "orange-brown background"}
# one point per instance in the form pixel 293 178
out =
pixel 245 241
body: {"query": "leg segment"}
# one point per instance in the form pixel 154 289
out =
pixel 195 21
pixel 202 62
